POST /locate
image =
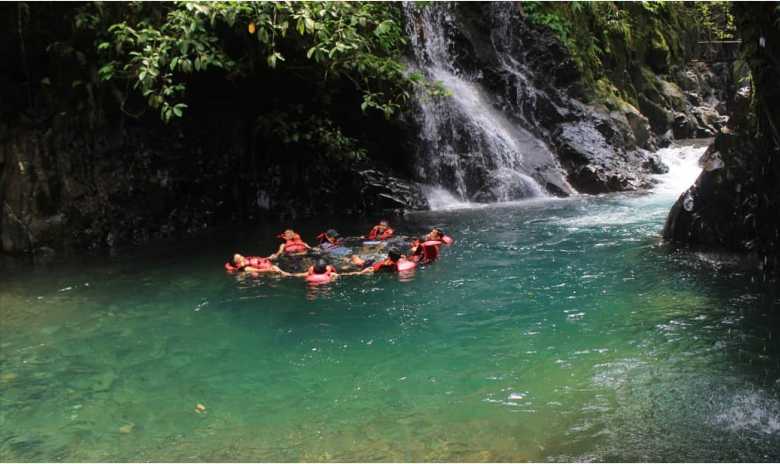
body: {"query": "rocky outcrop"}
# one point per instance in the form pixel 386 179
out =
pixel 524 74
pixel 79 173
pixel 66 188
pixel 532 79
pixel 382 192
pixel 734 203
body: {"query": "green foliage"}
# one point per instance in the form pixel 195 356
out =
pixel 312 133
pixel 542 14
pixel 361 42
pixel 715 20
pixel 609 39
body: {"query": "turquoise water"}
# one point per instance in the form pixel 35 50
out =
pixel 551 330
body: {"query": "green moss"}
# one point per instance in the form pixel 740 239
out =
pixel 609 41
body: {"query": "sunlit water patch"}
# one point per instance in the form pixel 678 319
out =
pixel 551 330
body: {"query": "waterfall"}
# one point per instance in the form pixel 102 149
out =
pixel 469 146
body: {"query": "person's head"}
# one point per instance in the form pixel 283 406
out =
pixel 384 223
pixel 238 259
pixel 320 267
pixel 394 255
pixel 332 235
pixel 436 233
pixel 289 234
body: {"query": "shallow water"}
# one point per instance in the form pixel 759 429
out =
pixel 551 330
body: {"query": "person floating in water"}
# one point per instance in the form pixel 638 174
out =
pixel 425 250
pixel 331 243
pixel 381 231
pixel 254 265
pixel 394 262
pixel 437 234
pixel 292 246
pixel 320 273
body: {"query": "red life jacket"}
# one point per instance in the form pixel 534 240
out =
pixel 294 246
pixel 259 262
pixel 405 265
pixel 389 266
pixel 386 265
pixel 251 261
pixel 327 276
pixel 323 238
pixel 384 235
pixel 430 250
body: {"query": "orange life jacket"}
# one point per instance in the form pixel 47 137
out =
pixel 294 246
pixel 250 261
pixel 375 233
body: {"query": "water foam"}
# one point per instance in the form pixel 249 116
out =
pixel 683 162
pixel 469 146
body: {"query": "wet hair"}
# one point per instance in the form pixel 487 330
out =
pixel 320 267
pixel 394 254
pixel 332 233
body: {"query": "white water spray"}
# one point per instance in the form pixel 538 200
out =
pixel 470 149
pixel 683 163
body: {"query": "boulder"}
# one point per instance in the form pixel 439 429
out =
pixel 658 53
pixel 660 119
pixel 381 191
pixel 596 166
pixel 654 164
pixel 640 127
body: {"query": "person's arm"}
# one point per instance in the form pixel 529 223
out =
pixel 302 274
pixel 278 253
pixel 367 270
pixel 281 271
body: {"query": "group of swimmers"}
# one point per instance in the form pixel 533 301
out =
pixel 396 254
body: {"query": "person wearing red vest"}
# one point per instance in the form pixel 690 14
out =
pixel 252 264
pixel 292 246
pixel 381 231
pixel 395 262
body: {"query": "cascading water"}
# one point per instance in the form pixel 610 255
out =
pixel 469 147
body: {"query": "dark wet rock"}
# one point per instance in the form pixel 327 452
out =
pixel 382 192
pixel 683 127
pixel 598 148
pixel 734 203
pixel 640 127
pixel 658 55
pixel 660 118
pixel 654 164
pixel 594 166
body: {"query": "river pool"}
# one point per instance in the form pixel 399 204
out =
pixel 553 329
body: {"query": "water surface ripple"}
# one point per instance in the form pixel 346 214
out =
pixel 552 330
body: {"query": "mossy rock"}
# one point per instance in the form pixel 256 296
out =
pixel 658 55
